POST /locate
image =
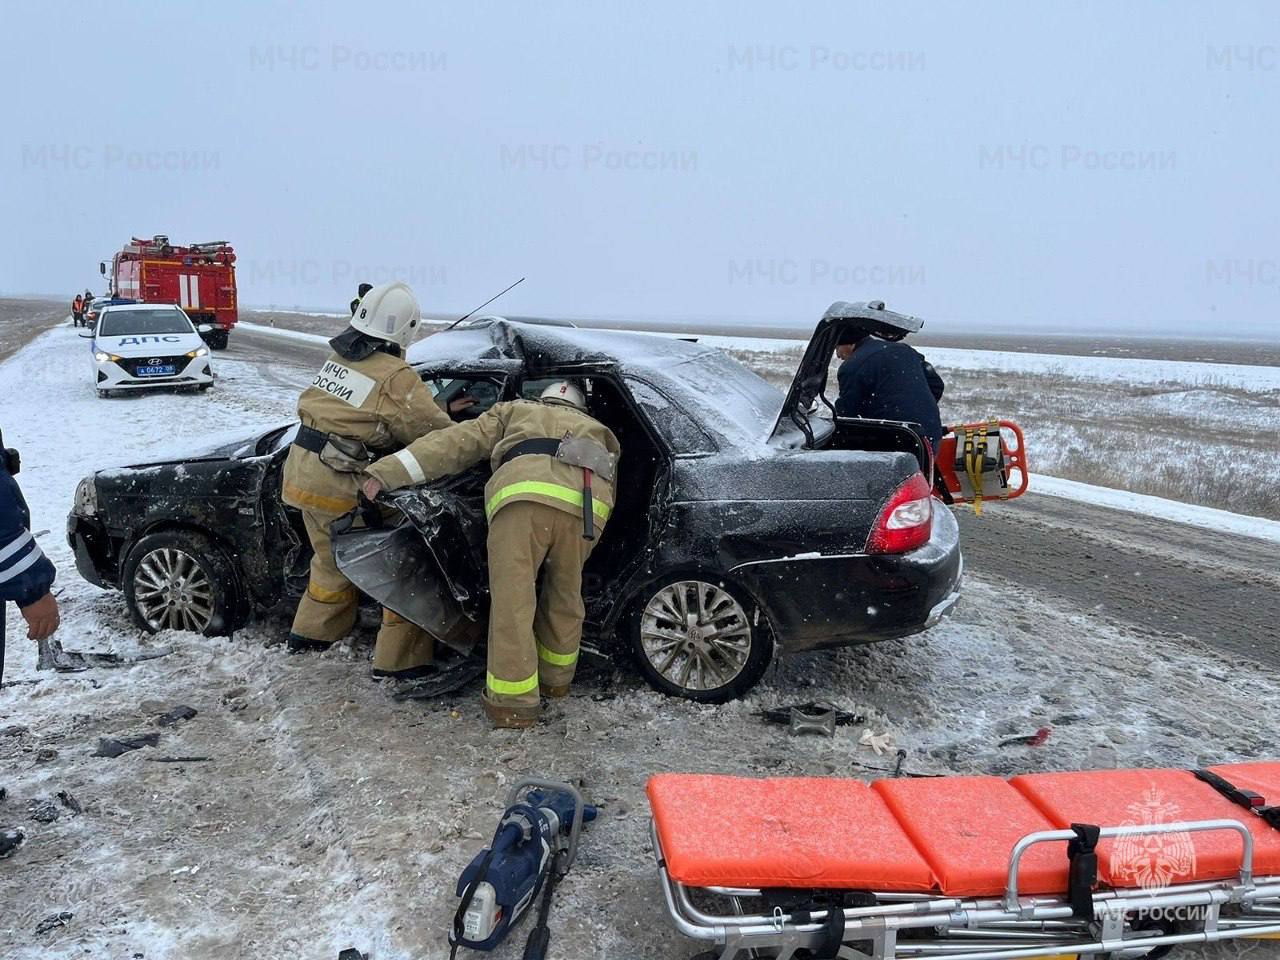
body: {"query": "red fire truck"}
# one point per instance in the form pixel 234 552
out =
pixel 200 278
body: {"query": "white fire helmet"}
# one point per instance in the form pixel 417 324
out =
pixel 562 391
pixel 389 312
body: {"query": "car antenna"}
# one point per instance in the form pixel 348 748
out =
pixel 483 305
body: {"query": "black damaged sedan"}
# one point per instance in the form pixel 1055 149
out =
pixel 747 522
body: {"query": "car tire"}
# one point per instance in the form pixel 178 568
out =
pixel 203 387
pixel 218 341
pixel 699 639
pixel 181 580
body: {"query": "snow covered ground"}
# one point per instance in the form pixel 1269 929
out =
pixel 327 815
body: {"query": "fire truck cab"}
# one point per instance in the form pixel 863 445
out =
pixel 199 278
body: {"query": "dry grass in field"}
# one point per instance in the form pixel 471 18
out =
pixel 1205 444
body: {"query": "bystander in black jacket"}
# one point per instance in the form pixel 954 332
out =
pixel 890 381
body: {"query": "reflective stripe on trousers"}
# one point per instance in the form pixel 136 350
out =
pixel 543 489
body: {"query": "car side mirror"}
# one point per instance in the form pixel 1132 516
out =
pixel 102 268
pixel 86 334
pixel 203 328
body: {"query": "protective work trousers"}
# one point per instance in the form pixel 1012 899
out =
pixel 327 611
pixel 533 632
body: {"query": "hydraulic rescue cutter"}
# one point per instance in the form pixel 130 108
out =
pixel 533 848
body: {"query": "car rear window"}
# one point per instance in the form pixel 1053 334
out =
pixel 118 323
pixel 676 426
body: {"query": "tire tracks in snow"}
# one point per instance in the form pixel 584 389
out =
pixel 1163 577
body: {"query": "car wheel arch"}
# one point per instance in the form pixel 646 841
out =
pixel 756 658
pixel 238 585
pixel 632 603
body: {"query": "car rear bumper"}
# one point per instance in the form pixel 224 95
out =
pixel 94 551
pixel 814 600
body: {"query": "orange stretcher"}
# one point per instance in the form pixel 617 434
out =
pixel 1080 864
pixel 983 461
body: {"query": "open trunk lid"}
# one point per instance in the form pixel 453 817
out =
pixel 811 376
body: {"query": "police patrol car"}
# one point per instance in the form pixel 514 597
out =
pixel 138 346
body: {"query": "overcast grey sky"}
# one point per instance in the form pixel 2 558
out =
pixel 1071 166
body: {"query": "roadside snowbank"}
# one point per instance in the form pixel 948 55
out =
pixel 284 333
pixel 1206 517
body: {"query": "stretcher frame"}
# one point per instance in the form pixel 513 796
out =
pixel 1013 454
pixel 1007 927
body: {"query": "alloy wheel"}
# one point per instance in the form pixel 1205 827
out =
pixel 172 591
pixel 696 635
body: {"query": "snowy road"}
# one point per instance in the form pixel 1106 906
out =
pixel 328 815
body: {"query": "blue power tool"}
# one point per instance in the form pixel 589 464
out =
pixel 533 848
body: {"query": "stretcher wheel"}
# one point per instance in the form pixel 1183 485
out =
pixel 699 640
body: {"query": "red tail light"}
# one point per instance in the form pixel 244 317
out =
pixel 906 521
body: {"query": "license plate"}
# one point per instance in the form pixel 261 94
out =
pixel 158 370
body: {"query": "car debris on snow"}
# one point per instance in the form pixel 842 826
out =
pixel 10 840
pixel 51 656
pixel 53 921
pixel 812 717
pixel 1028 740
pixel 174 716
pixel 43 811
pixel 113 747
pixel 178 759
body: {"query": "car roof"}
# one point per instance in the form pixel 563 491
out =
pixel 708 385
pixel 140 306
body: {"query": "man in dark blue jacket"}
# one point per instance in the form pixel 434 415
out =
pixel 883 380
pixel 25 577
pixel 25 572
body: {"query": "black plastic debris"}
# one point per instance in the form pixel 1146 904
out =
pixel 351 953
pixel 10 840
pixel 51 656
pixel 43 811
pixel 53 921
pixel 178 759
pixel 451 678
pixel 112 747
pixel 823 713
pixel 176 715
pixel 70 802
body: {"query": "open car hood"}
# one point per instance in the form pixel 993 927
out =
pixel 811 376
pixel 426 565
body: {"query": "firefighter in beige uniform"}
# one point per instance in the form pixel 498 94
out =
pixel 365 401
pixel 547 501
